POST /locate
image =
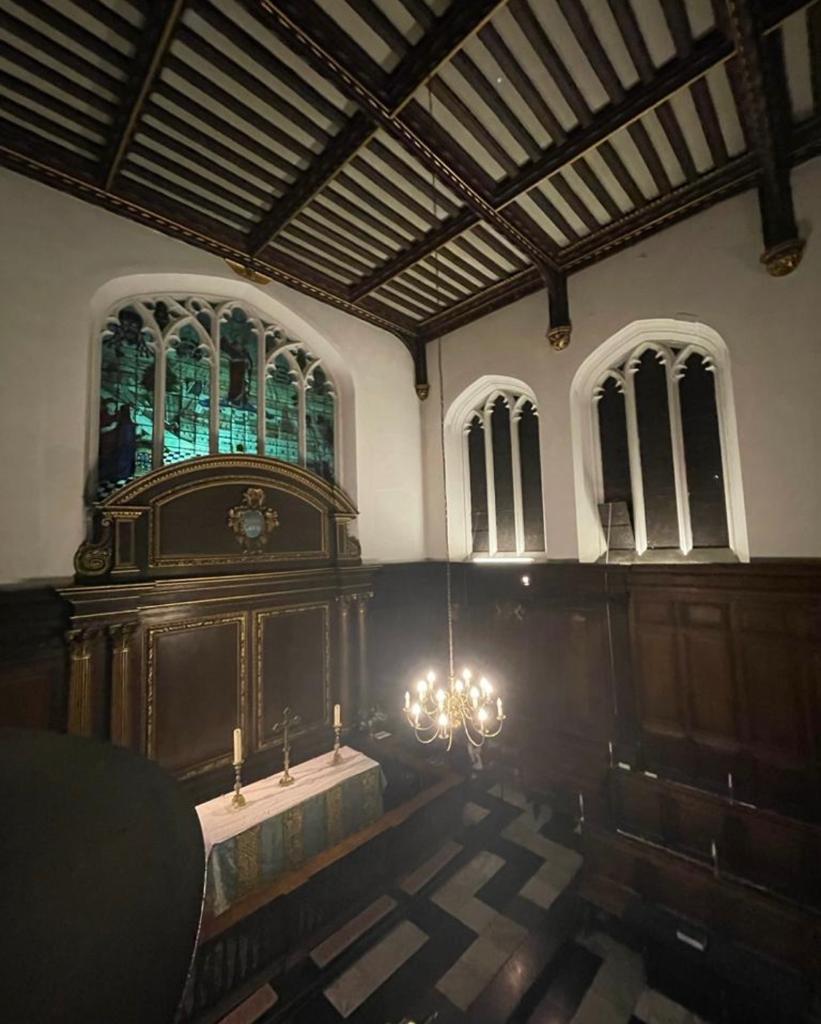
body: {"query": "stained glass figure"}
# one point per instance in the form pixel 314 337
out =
pixel 319 425
pixel 281 412
pixel 187 397
pixel 126 401
pixel 238 382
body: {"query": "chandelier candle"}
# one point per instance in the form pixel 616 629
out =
pixel 440 713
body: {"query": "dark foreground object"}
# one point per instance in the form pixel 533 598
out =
pixel 101 873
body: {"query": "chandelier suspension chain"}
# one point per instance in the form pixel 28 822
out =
pixel 440 373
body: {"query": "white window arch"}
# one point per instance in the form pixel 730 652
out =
pixel 676 351
pixel 493 471
pixel 180 375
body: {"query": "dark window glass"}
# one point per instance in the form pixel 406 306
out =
pixel 503 476
pixel 613 441
pixel 702 453
pixel 478 486
pixel 531 478
pixel 656 452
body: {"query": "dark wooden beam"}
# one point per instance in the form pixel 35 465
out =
pixel 644 144
pixel 625 17
pixel 271 98
pixel 420 369
pixel 143 206
pixel 382 25
pixel 675 15
pixel 593 182
pixel 59 53
pixel 675 136
pixel 320 41
pixel 814 35
pixel 549 56
pixel 477 80
pixel 705 107
pixel 67 86
pixel 268 157
pixel 318 174
pixel 582 28
pixel 765 111
pixel 710 50
pixel 54 130
pixel 521 81
pixel 223 159
pixel 341 60
pixel 473 124
pixel 161 19
pixel 559 327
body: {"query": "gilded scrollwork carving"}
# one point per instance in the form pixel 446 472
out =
pixel 251 521
pixel 94 558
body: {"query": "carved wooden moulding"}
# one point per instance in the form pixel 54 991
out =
pixel 219 514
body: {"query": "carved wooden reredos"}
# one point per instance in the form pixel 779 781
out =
pixel 210 595
pixel 187 518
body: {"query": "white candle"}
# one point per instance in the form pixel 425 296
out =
pixel 237 746
pixel 499 707
pixel 407 700
pixel 337 716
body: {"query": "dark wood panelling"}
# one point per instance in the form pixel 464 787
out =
pixel 33 659
pixel 196 681
pixel 292 668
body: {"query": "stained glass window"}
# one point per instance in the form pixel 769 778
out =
pixel 319 425
pixel 187 431
pixel 126 428
pixel 213 353
pixel 239 359
pixel 281 412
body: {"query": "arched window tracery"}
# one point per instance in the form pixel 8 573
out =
pixel 187 376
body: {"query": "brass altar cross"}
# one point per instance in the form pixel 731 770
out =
pixel 288 720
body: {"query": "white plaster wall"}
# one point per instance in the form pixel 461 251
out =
pixel 57 253
pixel 706 268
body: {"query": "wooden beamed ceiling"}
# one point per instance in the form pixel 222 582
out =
pixel 417 163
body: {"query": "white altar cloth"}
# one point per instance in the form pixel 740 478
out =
pixel 267 799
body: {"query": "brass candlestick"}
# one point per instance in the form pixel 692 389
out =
pixel 238 800
pixel 337 758
pixel 287 721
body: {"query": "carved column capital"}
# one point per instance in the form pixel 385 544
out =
pixel 79 680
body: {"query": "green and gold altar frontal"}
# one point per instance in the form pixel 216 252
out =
pixel 280 828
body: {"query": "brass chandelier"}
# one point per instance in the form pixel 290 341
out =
pixel 438 713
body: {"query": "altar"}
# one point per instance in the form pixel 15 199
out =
pixel 281 827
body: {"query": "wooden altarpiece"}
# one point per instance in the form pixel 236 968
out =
pixel 214 593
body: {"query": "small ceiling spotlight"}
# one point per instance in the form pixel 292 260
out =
pixel 525 581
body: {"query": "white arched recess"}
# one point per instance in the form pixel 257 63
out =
pixel 632 340
pixel 457 469
pixel 115 292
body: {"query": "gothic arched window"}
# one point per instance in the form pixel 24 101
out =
pixel 657 464
pixel 186 376
pixel 505 479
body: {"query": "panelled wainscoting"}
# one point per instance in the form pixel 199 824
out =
pixel 677 707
